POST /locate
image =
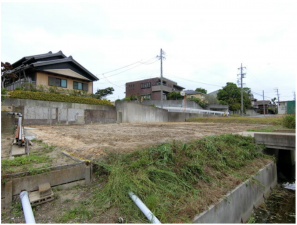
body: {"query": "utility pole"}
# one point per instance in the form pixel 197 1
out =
pixel 242 75
pixel 276 89
pixel 294 96
pixel 263 104
pixel 161 58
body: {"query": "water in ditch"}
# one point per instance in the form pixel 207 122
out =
pixel 279 207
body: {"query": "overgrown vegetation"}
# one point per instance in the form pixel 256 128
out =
pixel 289 121
pixel 169 177
pixel 244 120
pixel 45 96
pixel 199 101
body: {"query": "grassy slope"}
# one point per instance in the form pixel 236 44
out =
pixel 177 180
pixel 245 120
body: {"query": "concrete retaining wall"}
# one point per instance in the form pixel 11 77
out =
pixel 56 176
pixel 237 206
pixel 130 112
pixel 46 112
pixel 7 123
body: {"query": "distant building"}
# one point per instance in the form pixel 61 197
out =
pixel 150 89
pixel 286 107
pixel 214 93
pixel 262 106
pixel 195 94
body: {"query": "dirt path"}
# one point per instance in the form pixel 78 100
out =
pixel 95 140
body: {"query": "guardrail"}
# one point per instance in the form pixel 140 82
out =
pixel 191 110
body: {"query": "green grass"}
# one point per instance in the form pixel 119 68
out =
pixel 268 129
pixel 242 120
pixel 167 177
pixel 34 162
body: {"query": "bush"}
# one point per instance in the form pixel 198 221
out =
pixel 57 97
pixel 289 121
pixel 3 91
pixel 200 102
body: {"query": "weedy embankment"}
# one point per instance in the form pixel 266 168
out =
pixel 176 180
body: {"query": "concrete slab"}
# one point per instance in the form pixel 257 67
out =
pixel 284 141
pixel 17 150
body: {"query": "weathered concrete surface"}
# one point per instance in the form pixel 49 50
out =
pixel 238 205
pixel 37 112
pixel 7 123
pixel 67 174
pixel 137 113
pixel 276 140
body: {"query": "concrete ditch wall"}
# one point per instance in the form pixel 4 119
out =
pixel 56 176
pixel 238 205
pixel 46 112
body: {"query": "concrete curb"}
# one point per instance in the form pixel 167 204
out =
pixel 238 205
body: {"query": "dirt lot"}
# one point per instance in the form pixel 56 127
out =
pixel 96 140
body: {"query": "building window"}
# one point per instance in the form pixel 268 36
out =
pixel 145 85
pixel 146 97
pixel 80 86
pixel 131 86
pixel 53 81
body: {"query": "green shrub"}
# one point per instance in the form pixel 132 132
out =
pixel 3 91
pixel 56 97
pixel 289 121
pixel 200 102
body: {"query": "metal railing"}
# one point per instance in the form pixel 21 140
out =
pixel 20 83
pixel 191 110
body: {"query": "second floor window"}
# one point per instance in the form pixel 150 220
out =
pixel 145 85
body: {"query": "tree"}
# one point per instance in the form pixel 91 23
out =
pixel 231 95
pixel 202 90
pixel 174 96
pixel 6 73
pixel 100 93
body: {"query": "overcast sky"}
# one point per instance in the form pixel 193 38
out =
pixel 205 41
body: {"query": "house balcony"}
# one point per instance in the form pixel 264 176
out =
pixel 20 83
pixel 158 88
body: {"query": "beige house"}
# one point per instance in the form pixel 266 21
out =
pixel 195 94
pixel 51 69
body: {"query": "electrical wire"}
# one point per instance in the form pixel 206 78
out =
pixel 138 62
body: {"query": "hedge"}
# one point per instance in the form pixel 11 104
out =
pixel 44 96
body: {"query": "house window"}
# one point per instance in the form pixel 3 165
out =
pixel 145 85
pixel 53 81
pixel 80 86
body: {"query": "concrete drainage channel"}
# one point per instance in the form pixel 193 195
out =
pixel 235 207
pixel 238 205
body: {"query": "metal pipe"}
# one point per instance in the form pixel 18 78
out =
pixel 149 215
pixel 28 213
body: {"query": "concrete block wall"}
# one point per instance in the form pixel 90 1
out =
pixel 46 112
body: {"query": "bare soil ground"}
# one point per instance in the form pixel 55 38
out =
pixel 96 140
